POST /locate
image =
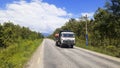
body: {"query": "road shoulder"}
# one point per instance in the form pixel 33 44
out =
pixel 100 55
pixel 36 61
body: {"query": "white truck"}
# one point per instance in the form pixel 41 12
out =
pixel 65 39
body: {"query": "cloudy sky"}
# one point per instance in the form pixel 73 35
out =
pixel 46 15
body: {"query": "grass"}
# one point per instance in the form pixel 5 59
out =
pixel 18 54
pixel 108 50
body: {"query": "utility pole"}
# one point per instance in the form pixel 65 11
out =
pixel 86 31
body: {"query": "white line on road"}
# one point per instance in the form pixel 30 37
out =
pixel 38 60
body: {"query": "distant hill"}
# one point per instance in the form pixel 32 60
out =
pixel 45 34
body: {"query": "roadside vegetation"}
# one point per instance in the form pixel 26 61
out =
pixel 17 44
pixel 103 29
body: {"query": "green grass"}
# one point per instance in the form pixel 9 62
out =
pixel 18 54
pixel 109 50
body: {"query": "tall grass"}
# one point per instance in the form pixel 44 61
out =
pixel 109 50
pixel 18 54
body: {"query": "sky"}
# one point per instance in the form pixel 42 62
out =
pixel 46 15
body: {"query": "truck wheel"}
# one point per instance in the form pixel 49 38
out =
pixel 71 46
pixel 56 44
pixel 61 46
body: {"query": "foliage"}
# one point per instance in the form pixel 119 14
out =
pixel 16 56
pixel 10 33
pixel 17 44
pixel 103 30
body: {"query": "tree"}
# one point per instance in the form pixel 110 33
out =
pixel 10 33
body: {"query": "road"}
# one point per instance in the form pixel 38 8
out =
pixel 50 56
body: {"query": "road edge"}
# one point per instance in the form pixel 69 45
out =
pixel 42 54
pixel 100 55
pixel 29 63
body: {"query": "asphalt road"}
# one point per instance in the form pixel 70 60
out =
pixel 51 56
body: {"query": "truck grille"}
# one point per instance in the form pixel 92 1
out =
pixel 68 41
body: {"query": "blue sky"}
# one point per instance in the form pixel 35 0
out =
pixel 72 6
pixel 78 6
pixel 46 15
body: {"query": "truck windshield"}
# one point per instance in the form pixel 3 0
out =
pixel 68 35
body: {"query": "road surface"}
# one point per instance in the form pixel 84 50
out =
pixel 50 56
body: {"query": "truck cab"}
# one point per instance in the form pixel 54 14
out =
pixel 66 39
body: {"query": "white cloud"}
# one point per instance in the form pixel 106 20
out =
pixel 89 14
pixel 36 15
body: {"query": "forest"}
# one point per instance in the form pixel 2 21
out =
pixel 17 44
pixel 10 33
pixel 103 29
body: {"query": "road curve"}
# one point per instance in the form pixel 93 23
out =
pixel 56 57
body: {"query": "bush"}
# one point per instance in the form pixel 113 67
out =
pixel 16 55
